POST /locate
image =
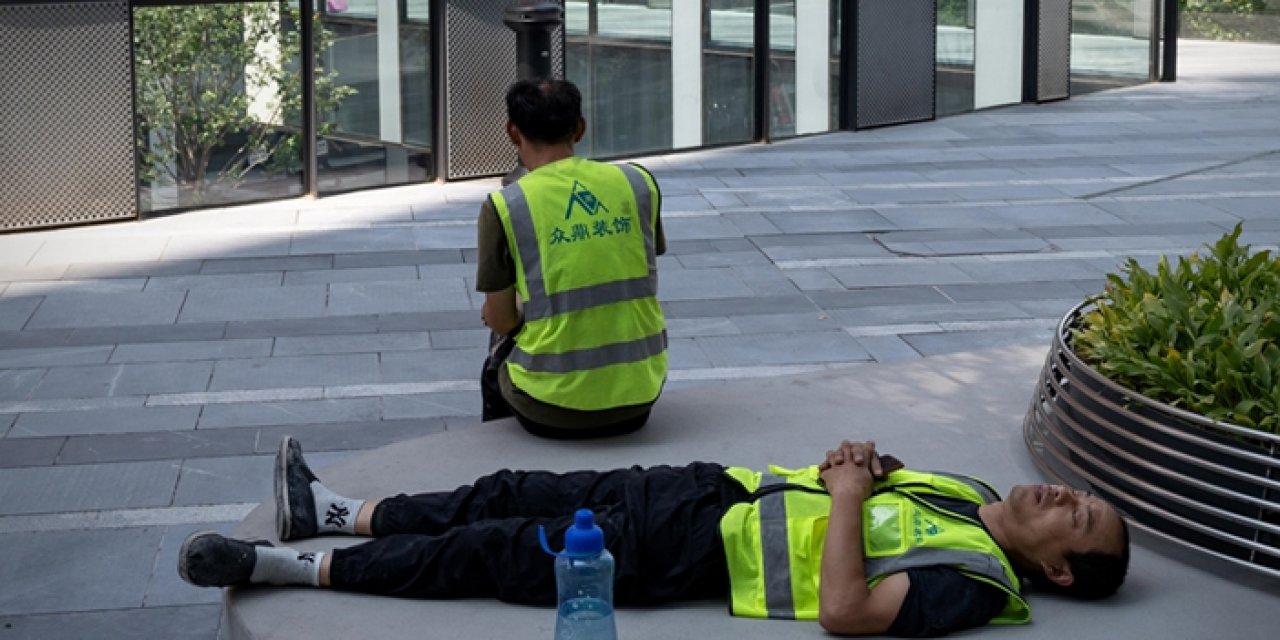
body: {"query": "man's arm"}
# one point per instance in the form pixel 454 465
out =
pixel 846 606
pixel 500 312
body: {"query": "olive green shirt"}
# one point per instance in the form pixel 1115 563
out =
pixel 496 271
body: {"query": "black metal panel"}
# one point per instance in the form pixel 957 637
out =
pixel 66 115
pixel 1053 50
pixel 895 49
pixel 479 65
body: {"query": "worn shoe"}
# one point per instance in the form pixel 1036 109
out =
pixel 208 559
pixel 295 504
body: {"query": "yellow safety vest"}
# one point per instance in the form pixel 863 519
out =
pixel 582 236
pixel 774 543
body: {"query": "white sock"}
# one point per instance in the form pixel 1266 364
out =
pixel 285 566
pixel 334 513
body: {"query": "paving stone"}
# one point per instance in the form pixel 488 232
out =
pixel 701 284
pixel 811 246
pixel 899 275
pixel 24 273
pixel 813 279
pixel 933 344
pixel 197 350
pixel 462 237
pixel 831 221
pixel 53 356
pixel 1010 291
pixel 226 281
pixel 432 366
pixel 102 565
pixel 17 384
pixel 355 343
pixel 104 248
pixel 751 223
pixel 881 296
pixel 370 274
pixel 431 405
pixel 396 258
pixel 133 269
pixel 124 380
pixel 701 228
pixel 205 305
pixel 251 265
pixel 732 306
pixel 87 487
pixel 357 298
pixel 460 319
pixel 686 353
pixel 298 371
pixel 1030 270
pixel 302 326
pixel 352 241
pixel 27 452
pixel 765 280
pixel 6 421
pixel 694 327
pixel 100 421
pixel 236 244
pixel 152 333
pixel 814 320
pixel 783 348
pixel 723 259
pixel 349 436
pixel 299 412
pixel 199 622
pixel 925 313
pixel 237 479
pixel 160 445
pixel 885 349
pixel 47 287
pixel 459 338
pixel 98 310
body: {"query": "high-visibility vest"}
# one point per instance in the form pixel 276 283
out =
pixel 774 543
pixel 582 235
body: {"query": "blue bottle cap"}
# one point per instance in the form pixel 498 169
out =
pixel 584 538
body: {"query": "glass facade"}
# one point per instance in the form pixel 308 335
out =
pixel 377 58
pixel 955 54
pixel 1110 44
pixel 728 72
pixel 217 101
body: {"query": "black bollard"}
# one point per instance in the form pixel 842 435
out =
pixel 533 21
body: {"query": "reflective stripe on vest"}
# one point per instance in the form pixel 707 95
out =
pixel 540 305
pixel 781 564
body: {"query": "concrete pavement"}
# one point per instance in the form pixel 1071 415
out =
pixel 147 370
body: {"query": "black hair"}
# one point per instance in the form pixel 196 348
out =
pixel 545 111
pixel 1096 575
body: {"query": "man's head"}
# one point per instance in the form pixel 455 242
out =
pixel 1066 540
pixel 545 112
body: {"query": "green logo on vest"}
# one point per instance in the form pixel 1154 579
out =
pixel 922 527
pixel 582 197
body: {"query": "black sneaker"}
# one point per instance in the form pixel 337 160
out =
pixel 295 506
pixel 209 559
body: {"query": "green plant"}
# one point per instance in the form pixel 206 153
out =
pixel 1201 336
pixel 219 94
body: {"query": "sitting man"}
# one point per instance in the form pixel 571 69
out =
pixel 863 546
pixel 567 262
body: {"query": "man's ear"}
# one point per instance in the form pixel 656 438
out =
pixel 580 131
pixel 1058 572
pixel 513 133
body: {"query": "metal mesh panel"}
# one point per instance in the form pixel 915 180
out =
pixel 896 42
pixel 480 63
pixel 1053 60
pixel 66 115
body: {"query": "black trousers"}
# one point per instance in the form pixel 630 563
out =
pixel 661 524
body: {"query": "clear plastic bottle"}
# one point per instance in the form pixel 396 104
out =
pixel 584 582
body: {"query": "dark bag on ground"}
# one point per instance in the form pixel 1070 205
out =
pixel 494 405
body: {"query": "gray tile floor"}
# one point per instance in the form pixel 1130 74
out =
pixel 147 370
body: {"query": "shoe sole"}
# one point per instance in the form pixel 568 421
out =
pixel 283 508
pixel 182 553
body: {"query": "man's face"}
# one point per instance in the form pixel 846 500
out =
pixel 1051 521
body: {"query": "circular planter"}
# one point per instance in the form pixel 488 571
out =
pixel 1210 486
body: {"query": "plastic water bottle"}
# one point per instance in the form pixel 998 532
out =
pixel 584 582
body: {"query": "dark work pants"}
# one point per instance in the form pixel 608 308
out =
pixel 661 524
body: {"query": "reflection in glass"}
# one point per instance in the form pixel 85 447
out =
pixel 728 86
pixel 619 55
pixel 782 69
pixel 381 133
pixel 1110 44
pixel 954 77
pixel 834 88
pixel 218 103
